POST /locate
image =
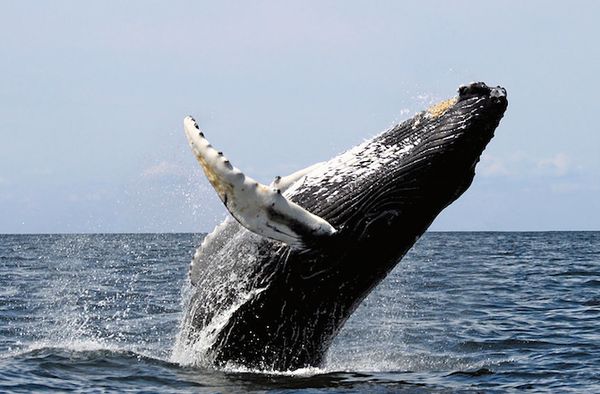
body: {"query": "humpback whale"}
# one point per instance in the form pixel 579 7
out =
pixel 275 282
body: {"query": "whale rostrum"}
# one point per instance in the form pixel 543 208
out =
pixel 260 208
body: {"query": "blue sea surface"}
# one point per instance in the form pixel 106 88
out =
pixel 462 312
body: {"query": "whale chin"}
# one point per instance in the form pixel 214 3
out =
pixel 275 283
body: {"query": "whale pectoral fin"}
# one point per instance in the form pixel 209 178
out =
pixel 261 209
pixel 284 182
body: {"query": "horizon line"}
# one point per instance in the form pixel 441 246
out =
pixel 201 232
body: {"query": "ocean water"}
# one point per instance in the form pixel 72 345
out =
pixel 462 312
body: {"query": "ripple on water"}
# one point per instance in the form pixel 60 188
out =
pixel 462 312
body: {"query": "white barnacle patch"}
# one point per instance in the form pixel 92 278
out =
pixel 416 123
pixel 260 208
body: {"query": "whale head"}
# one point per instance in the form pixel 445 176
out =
pixel 451 137
pixel 383 194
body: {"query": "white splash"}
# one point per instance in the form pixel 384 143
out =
pixel 193 348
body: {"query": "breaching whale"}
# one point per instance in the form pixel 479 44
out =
pixel 275 282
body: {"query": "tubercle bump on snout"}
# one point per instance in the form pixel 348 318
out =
pixel 480 89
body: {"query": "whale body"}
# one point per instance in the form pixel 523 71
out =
pixel 275 282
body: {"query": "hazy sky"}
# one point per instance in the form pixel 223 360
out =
pixel 92 97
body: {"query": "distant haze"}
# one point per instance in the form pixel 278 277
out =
pixel 93 95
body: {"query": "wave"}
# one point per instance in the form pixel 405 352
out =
pixel 78 346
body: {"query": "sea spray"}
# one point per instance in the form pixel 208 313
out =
pixel 226 289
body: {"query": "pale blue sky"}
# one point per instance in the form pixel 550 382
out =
pixel 93 95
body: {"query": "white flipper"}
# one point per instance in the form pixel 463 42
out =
pixel 260 208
